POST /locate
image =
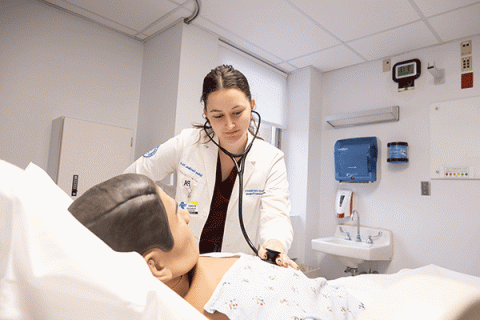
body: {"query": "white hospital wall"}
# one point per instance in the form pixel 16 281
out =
pixel 174 65
pixel 55 64
pixel 301 137
pixel 199 55
pixel 159 90
pixel 439 229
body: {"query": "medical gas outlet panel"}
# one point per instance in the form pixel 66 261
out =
pixel 456 173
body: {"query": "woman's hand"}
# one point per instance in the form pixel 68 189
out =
pixel 282 259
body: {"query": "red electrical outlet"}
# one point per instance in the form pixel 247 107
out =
pixel 467 80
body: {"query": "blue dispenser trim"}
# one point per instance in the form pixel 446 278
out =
pixel 356 159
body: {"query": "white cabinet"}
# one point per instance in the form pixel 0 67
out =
pixel 84 153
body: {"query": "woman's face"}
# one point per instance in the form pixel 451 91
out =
pixel 184 254
pixel 229 112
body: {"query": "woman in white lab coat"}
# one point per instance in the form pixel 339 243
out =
pixel 207 186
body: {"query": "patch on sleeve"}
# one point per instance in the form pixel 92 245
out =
pixel 150 153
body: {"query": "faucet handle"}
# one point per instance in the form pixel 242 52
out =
pixel 370 238
pixel 346 233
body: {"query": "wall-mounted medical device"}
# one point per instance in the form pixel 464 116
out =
pixel 343 203
pixel 454 132
pixel 405 73
pixel 356 159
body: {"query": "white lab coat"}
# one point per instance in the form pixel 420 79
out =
pixel 266 204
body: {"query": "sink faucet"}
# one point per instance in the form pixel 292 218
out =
pixel 358 239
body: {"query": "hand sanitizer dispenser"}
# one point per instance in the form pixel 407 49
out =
pixel 343 203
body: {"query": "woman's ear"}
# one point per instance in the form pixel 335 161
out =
pixel 253 104
pixel 160 272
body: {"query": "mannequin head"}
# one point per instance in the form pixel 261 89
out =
pixel 131 213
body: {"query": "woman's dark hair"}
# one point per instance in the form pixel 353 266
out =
pixel 224 77
pixel 127 213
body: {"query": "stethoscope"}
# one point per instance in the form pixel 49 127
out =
pixel 240 166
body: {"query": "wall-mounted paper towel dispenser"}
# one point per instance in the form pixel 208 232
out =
pixel 356 160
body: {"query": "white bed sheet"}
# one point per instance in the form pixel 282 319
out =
pixel 367 287
pixel 54 268
pixel 429 292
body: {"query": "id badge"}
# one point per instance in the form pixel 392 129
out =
pixel 190 206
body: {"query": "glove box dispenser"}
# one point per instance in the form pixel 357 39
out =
pixel 356 159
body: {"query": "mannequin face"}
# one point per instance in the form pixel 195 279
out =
pixel 229 112
pixel 184 254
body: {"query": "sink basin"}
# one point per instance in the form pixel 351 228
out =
pixel 352 253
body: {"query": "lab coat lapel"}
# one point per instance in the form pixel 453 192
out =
pixel 250 161
pixel 210 164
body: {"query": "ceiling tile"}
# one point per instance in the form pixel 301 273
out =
pixel 282 30
pixel 432 7
pixel 333 58
pixel 133 14
pixel 236 40
pixel 353 19
pixel 395 41
pixel 457 24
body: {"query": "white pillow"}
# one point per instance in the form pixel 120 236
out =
pixel 9 306
pixel 9 174
pixel 65 272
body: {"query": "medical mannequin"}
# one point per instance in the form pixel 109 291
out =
pixel 124 210
pixel 207 183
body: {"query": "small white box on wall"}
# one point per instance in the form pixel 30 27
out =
pixel 83 153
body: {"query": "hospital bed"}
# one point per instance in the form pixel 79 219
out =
pixel 51 267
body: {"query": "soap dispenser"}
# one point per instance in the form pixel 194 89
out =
pixel 343 203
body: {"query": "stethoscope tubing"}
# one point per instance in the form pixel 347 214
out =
pixel 240 166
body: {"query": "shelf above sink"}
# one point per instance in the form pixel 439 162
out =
pixel 380 249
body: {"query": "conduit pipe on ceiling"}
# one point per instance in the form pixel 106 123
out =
pixel 194 14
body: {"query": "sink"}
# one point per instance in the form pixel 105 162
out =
pixel 352 253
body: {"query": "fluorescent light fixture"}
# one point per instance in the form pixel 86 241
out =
pixel 387 114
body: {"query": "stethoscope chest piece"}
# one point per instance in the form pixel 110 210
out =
pixel 272 256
